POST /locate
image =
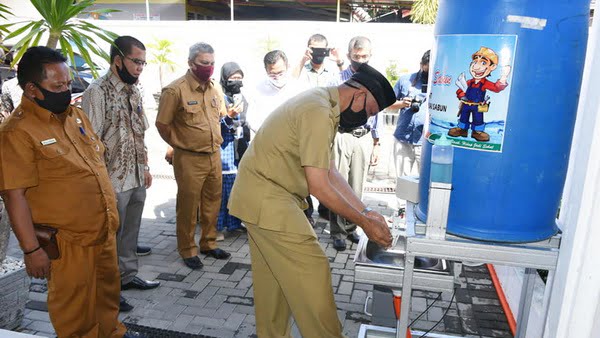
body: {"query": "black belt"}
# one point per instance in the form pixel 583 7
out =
pixel 356 132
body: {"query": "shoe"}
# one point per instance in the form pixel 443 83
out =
pixel 354 237
pixel 216 253
pixel 133 334
pixel 339 244
pixel 220 236
pixel 311 221
pixel 124 306
pixel 140 284
pixel 456 131
pixel 193 263
pixel 143 250
pixel 480 136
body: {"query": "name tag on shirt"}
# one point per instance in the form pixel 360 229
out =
pixel 48 141
pixel 191 103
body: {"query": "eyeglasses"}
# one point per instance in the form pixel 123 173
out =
pixel 276 75
pixel 138 62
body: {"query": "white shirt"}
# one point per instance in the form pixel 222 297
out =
pixel 266 97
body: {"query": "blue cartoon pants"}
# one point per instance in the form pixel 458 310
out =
pixel 465 114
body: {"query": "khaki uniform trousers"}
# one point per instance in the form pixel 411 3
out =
pixel 351 156
pixel 83 290
pixel 291 276
pixel 199 180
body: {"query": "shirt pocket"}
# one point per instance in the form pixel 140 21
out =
pixel 192 115
pixel 53 151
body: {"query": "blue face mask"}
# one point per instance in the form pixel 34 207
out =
pixel 351 119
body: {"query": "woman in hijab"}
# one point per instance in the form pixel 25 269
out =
pixel 236 135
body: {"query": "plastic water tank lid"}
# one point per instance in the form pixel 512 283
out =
pixel 443 141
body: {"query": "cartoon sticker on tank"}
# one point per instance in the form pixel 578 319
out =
pixel 475 71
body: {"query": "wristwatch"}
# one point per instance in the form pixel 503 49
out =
pixel 341 63
pixel 146 167
pixel 366 211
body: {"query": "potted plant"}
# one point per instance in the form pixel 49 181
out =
pixel 160 54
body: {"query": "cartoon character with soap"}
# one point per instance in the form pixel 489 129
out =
pixel 472 94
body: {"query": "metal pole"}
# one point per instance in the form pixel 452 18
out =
pixel 231 5
pixel 147 10
pixel 338 11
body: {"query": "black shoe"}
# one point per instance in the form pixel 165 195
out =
pixel 143 250
pixel 124 306
pixel 216 253
pixel 140 284
pixel 193 263
pixel 133 334
pixel 339 244
pixel 354 237
pixel 311 221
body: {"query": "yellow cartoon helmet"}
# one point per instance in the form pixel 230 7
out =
pixel 487 53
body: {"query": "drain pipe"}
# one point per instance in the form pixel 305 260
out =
pixel 510 318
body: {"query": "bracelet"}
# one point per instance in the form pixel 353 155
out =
pixel 366 211
pixel 32 251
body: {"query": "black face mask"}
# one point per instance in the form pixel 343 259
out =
pixel 350 119
pixel 233 86
pixel 355 64
pixel 318 60
pixel 55 102
pixel 125 75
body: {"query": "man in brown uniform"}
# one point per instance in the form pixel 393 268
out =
pixel 289 158
pixel 53 173
pixel 189 116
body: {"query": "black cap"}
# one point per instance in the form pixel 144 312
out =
pixel 425 57
pixel 376 83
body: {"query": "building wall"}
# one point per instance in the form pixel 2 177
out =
pixel 137 11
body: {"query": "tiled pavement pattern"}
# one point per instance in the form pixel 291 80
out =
pixel 217 301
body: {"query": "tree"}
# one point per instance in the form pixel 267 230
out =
pixel 161 55
pixel 63 27
pixel 424 11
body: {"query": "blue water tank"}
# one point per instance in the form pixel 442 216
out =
pixel 506 188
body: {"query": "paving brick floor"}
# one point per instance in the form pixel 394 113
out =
pixel 217 301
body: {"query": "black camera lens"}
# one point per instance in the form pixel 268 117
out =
pixel 415 104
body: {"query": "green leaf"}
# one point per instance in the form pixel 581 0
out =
pixel 60 20
pixel 19 31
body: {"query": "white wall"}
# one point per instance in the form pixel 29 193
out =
pixel 247 42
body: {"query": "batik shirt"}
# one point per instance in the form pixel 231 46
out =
pixel 117 115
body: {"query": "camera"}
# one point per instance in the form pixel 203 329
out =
pixel 323 52
pixel 415 104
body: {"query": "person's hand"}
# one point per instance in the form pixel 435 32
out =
pixel 334 55
pixel 374 156
pixel 405 102
pixel 169 155
pixel 147 179
pixel 235 111
pixel 37 264
pixel 307 55
pixel 377 230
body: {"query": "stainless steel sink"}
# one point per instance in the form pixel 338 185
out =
pixel 375 265
pixel 394 258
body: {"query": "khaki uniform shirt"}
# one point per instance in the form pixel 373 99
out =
pixel 61 166
pixel 193 113
pixel 270 189
pixel 117 114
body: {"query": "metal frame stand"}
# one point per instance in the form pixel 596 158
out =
pixel 435 243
